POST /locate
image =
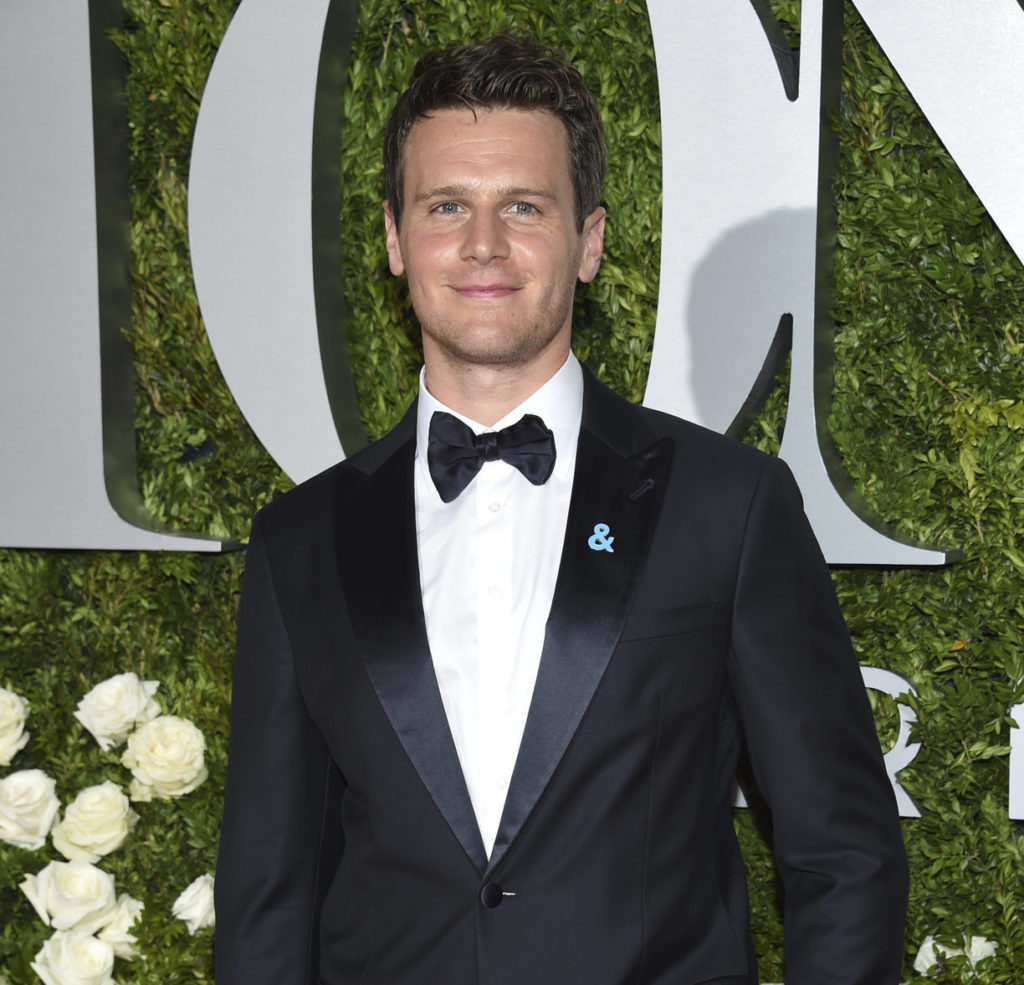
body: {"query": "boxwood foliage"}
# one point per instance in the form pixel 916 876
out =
pixel 928 416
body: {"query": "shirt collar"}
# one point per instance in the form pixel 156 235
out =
pixel 559 403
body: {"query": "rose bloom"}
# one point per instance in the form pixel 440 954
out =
pixel 116 931
pixel 930 951
pixel 115 706
pixel 28 808
pixel 979 948
pixel 96 822
pixel 926 957
pixel 166 758
pixel 195 904
pixel 70 957
pixel 13 712
pixel 71 896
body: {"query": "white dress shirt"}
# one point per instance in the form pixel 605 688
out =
pixel 488 563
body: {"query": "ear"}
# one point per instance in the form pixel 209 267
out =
pixel 593 245
pixel 391 242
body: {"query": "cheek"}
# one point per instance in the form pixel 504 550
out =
pixel 541 260
pixel 427 258
pixel 419 274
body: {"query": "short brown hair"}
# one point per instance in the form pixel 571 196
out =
pixel 508 71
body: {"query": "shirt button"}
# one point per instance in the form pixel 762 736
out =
pixel 494 591
pixel 494 507
pixel 501 782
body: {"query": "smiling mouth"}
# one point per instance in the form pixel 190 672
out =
pixel 485 292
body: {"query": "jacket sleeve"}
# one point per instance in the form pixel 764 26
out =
pixel 815 752
pixel 281 833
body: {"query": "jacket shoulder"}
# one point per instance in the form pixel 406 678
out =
pixel 315 499
pixel 626 424
pixel 706 444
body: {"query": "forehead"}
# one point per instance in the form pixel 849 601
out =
pixel 489 141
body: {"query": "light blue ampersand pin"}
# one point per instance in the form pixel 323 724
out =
pixel 600 541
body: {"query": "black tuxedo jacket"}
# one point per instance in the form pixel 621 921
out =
pixel 350 853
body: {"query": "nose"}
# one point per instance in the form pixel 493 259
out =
pixel 484 237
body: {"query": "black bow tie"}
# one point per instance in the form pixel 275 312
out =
pixel 455 454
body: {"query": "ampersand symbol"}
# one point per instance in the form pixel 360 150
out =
pixel 600 541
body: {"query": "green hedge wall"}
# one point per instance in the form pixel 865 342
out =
pixel 928 416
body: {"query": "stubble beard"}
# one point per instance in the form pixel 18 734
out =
pixel 517 344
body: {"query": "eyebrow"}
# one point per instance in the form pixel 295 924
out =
pixel 465 191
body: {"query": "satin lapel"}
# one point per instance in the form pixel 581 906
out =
pixel 592 597
pixel 377 557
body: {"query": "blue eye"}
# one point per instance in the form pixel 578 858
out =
pixel 447 208
pixel 523 208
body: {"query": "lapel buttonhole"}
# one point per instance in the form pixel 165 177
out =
pixel 646 486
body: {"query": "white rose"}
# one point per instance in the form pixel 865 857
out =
pixel 13 712
pixel 979 948
pixel 926 957
pixel 28 808
pixel 931 951
pixel 96 822
pixel 166 758
pixel 115 931
pixel 70 957
pixel 115 706
pixel 195 904
pixel 71 896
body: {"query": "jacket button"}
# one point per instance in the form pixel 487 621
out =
pixel 490 895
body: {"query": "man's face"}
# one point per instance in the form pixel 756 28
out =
pixel 488 237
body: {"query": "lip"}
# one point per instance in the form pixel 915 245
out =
pixel 485 292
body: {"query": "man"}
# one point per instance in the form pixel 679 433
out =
pixel 494 671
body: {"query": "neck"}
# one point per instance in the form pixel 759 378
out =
pixel 485 394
